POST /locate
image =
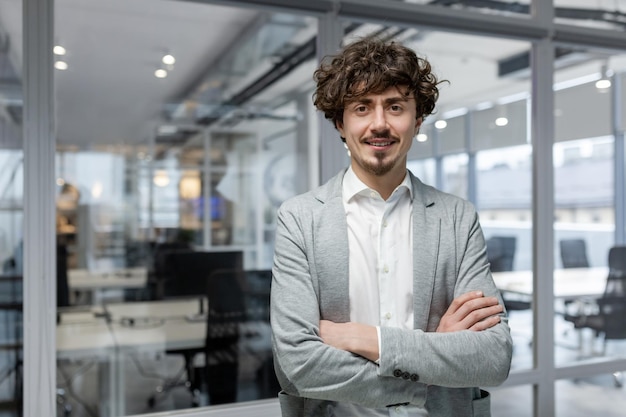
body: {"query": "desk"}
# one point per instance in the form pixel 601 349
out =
pixel 92 282
pixel 568 282
pixel 106 334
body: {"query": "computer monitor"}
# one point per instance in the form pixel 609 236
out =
pixel 187 271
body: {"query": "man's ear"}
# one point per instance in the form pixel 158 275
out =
pixel 418 124
pixel 339 127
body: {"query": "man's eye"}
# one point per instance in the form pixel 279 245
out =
pixel 360 109
pixel 396 107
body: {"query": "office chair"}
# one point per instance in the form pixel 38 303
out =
pixel 185 274
pixel 501 254
pixel 607 319
pixel 574 253
pixel 226 313
pixel 251 350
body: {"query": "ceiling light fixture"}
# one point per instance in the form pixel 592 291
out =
pixel 59 50
pixel 160 73
pixel 502 121
pixel 604 83
pixel 168 59
pixel 61 65
pixel 161 178
pixel 421 137
pixel 441 124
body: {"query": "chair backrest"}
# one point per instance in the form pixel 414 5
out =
pixel 574 253
pixel 613 311
pixel 612 304
pixel 501 252
pixel 63 291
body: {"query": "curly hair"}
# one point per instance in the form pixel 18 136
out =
pixel 372 65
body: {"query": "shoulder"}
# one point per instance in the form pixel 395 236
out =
pixel 314 198
pixel 432 197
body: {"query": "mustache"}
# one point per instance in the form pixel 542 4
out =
pixel 380 135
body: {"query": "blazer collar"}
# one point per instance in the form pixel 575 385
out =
pixel 331 259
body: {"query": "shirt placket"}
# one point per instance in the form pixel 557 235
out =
pixel 386 268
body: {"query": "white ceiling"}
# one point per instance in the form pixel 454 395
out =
pixel 109 94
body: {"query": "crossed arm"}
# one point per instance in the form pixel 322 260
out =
pixel 470 311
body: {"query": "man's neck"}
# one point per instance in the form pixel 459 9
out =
pixel 383 184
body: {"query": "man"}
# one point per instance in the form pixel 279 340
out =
pixel 382 302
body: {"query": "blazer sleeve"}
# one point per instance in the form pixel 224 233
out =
pixel 305 366
pixel 455 359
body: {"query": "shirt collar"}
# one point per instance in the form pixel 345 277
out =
pixel 352 185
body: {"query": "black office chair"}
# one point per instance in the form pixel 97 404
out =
pixel 574 253
pixel 185 274
pixel 501 254
pixel 608 320
pixel 242 300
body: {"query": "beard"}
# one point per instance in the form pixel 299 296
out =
pixel 379 167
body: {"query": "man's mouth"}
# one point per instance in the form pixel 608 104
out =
pixel 379 143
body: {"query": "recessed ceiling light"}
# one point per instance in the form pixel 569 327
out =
pixel 60 65
pixel 603 83
pixel 169 59
pixel 421 137
pixel 441 124
pixel 160 73
pixel 59 50
pixel 502 121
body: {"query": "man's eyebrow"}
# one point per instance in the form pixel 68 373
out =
pixel 389 100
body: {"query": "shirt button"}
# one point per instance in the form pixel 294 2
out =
pixel 385 269
pixel 388 316
pixel 372 194
pixel 385 223
pixel 397 409
pixel 397 373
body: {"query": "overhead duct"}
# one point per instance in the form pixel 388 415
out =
pixel 518 66
pixel 612 17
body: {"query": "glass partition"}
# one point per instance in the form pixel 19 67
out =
pixel 588 289
pixel 179 134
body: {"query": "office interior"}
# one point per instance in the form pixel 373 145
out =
pixel 145 147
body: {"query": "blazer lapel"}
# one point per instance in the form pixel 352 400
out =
pixel 426 236
pixel 331 253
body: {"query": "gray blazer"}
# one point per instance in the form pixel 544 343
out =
pixel 438 371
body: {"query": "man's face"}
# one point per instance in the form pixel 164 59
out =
pixel 379 129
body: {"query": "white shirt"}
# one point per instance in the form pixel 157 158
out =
pixel 381 267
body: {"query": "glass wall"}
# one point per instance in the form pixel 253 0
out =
pixel 181 126
pixel 588 286
pixel 170 166
pixel 11 207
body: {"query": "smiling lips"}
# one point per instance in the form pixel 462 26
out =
pixel 379 144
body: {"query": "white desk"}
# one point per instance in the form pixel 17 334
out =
pixel 94 282
pixel 568 282
pixel 155 327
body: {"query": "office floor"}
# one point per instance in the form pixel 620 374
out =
pixel 589 397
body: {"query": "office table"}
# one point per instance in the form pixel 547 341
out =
pixel 93 282
pixel 108 333
pixel 568 283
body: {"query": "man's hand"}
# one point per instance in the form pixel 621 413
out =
pixel 471 311
pixel 357 338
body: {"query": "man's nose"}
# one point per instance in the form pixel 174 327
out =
pixel 379 121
